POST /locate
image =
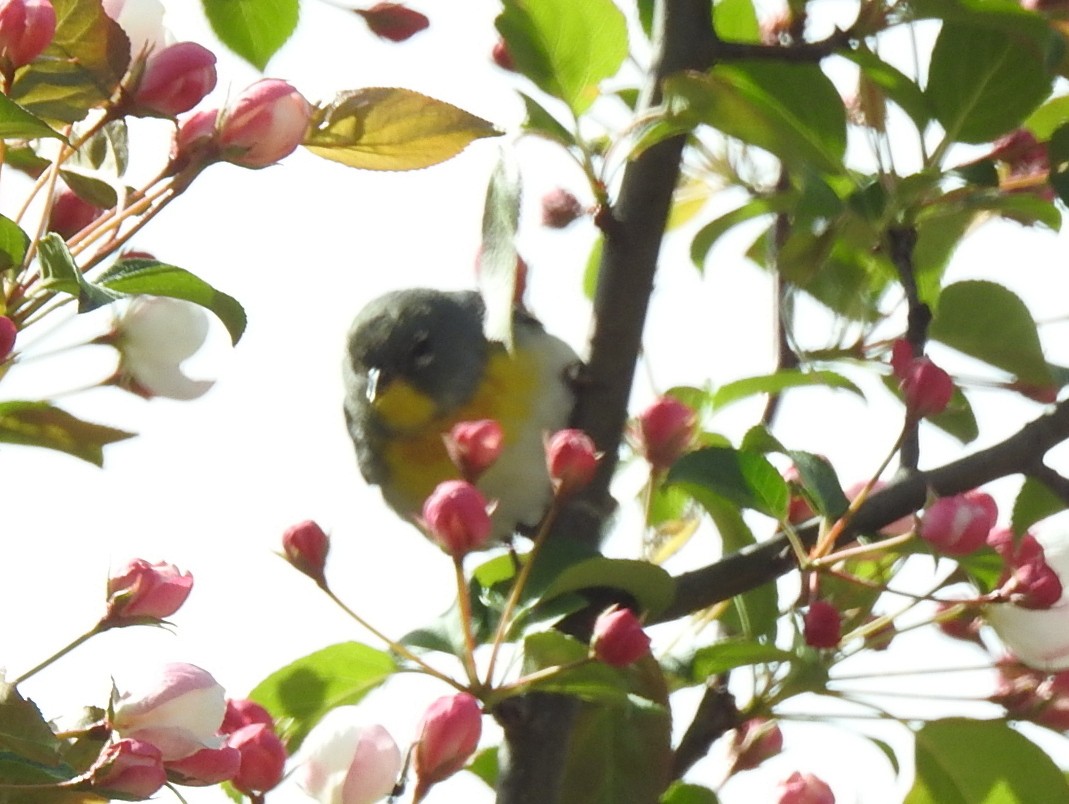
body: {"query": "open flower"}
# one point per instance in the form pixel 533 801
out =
pixel 178 708
pixel 154 335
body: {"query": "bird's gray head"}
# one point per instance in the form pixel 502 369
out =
pixel 430 339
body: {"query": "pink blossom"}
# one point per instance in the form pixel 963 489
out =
pixel 448 735
pixel 129 768
pixel 178 708
pixel 455 516
pixel 265 123
pixel 560 208
pixel 305 546
pixel 26 29
pixel 8 333
pixel 205 767
pixel 804 788
pixel 822 625
pixel 243 712
pixel 474 446
pixel 344 762
pixel 926 387
pixel 393 21
pixel 959 525
pixel 141 589
pixel 666 430
pixel 70 214
pixel 175 79
pixel 572 459
pixel 618 638
pixel 263 758
pixel 755 740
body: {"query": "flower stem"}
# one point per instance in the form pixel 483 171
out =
pixel 92 632
pixel 464 605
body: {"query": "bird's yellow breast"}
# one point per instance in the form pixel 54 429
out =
pixel 415 455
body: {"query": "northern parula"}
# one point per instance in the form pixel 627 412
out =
pixel 417 363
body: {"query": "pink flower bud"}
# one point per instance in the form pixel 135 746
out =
pixel 959 525
pixel 263 758
pixel 618 639
pixel 501 56
pixel 572 459
pixel 175 79
pixel 141 589
pixel 205 767
pixel 8 333
pixel 393 21
pixel 26 29
pixel 243 712
pixel 474 446
pixel 70 214
pixel 456 518
pixel 666 430
pixel 798 509
pixel 1033 585
pixel 129 768
pixel 822 626
pixel 448 735
pixel 344 761
pixel 265 123
pixel 926 387
pixel 755 740
pixel 804 788
pixel 306 546
pixel 178 708
pixel 195 131
pixel 560 208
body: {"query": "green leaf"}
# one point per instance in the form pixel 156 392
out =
pixel 23 731
pixel 593 268
pixel 80 70
pixel 731 653
pixel 18 124
pixel 589 681
pixel 300 693
pixel 91 189
pixel 958 419
pixel 896 85
pixel 707 236
pixel 966 761
pixel 1035 502
pixel 986 321
pixel 687 793
pixel 146 276
pixel 1058 156
pixel 254 29
pixel 61 274
pixel 386 128
pixel 821 483
pixel 1050 116
pixel 487 766
pixel 982 81
pixel 736 21
pixel 745 478
pixel 791 110
pixel 38 424
pixel 566 48
pixel 13 243
pixel 498 260
pixel 541 122
pixel 651 586
pixel 779 382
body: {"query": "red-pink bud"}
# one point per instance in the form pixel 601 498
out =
pixel 822 626
pixel 393 21
pixel 448 735
pixel 456 518
pixel 1033 585
pixel 798 508
pixel 243 712
pixel 205 767
pixel 474 446
pixel 8 333
pixel 666 430
pixel 26 29
pixel 926 387
pixel 959 525
pixel 306 547
pixel 501 56
pixel 263 758
pixel 618 638
pixel 70 214
pixel 560 208
pixel 572 459
pixel 804 788
pixel 1013 550
pixel 129 768
pixel 755 740
pixel 141 589
pixel 175 79
pixel 265 123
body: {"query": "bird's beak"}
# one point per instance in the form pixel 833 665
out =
pixel 373 377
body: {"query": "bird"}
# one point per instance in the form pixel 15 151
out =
pixel 417 362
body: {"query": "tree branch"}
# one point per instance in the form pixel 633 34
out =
pixel 762 563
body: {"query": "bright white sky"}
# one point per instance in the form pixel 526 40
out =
pixel 210 485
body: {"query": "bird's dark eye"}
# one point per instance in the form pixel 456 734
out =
pixel 422 353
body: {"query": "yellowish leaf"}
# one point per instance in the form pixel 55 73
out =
pixel 383 128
